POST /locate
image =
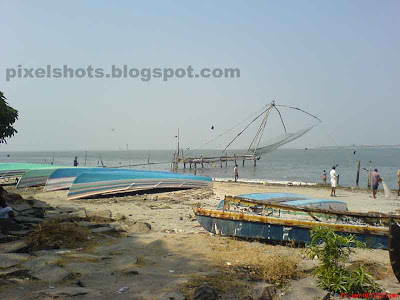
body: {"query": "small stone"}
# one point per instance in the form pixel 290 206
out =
pixel 12 246
pixel 81 213
pixel 102 229
pixel 140 227
pixel 23 219
pixel 50 273
pixel 80 283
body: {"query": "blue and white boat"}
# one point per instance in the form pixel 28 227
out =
pixel 100 183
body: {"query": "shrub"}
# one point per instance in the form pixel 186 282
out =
pixel 334 250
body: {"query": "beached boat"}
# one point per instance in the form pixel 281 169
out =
pixel 37 177
pixel 249 218
pixel 19 169
pixel 279 221
pixel 99 183
pixel 63 178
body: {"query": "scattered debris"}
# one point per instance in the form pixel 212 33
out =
pixel 123 289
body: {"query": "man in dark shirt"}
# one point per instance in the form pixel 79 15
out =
pixel 376 178
pixel 76 161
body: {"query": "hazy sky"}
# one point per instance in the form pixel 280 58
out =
pixel 336 59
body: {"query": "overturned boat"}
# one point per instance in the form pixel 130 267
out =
pixel 104 183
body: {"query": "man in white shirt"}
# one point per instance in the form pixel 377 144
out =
pixel 334 179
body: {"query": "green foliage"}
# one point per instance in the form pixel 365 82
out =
pixel 8 116
pixel 334 252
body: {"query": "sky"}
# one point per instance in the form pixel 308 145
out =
pixel 338 60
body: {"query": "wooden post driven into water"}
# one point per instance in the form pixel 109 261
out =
pixel 358 172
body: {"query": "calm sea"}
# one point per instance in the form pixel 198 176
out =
pixel 282 164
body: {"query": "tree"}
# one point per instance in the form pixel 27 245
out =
pixel 8 116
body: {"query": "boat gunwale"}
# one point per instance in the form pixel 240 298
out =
pixel 270 204
pixel 240 216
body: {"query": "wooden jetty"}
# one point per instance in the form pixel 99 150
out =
pixel 213 160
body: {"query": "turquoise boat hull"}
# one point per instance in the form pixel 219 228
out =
pixel 63 178
pixel 99 183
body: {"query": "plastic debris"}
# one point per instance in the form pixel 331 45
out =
pixel 123 289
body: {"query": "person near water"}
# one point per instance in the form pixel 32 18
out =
pixel 324 177
pixel 398 182
pixel 236 172
pixel 334 180
pixel 76 161
pixel 376 178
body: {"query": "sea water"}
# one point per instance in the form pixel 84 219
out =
pixel 281 165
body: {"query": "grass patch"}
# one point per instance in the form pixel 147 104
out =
pixel 274 264
pixel 378 270
pixel 54 234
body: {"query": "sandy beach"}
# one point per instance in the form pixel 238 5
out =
pixel 156 263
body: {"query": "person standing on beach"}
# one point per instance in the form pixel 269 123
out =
pixel 376 178
pixel 398 182
pixel 76 161
pixel 236 172
pixel 334 180
pixel 324 177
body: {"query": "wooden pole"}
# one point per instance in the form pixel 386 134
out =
pixel 226 160
pixel 195 168
pixel 220 160
pixel 369 177
pixel 358 173
pixel 243 162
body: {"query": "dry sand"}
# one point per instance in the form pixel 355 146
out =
pixel 177 247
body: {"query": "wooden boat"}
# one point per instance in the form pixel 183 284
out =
pixel 98 183
pixel 379 231
pixel 279 222
pixel 282 222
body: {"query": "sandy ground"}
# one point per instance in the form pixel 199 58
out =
pixel 178 247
